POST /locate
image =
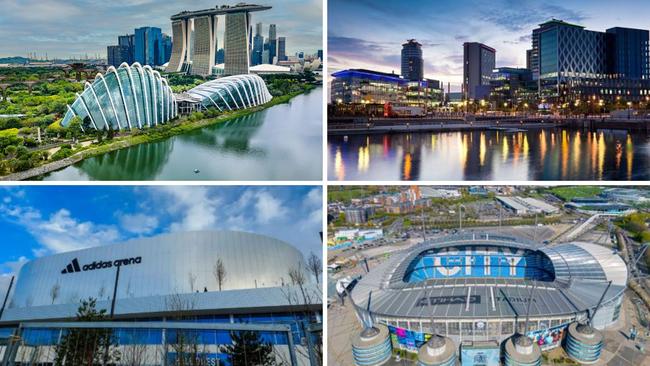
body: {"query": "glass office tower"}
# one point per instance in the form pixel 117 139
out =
pixel 149 48
pixel 571 63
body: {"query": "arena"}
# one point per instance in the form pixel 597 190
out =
pixel 156 291
pixel 475 288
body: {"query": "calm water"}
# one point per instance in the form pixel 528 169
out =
pixel 280 143
pixel 550 154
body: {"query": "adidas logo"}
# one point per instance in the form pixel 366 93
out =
pixel 72 267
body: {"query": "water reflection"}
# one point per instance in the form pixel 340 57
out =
pixel 283 142
pixel 550 154
pixel 141 162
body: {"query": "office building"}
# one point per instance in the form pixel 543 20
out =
pixel 367 87
pixel 572 63
pixel 319 54
pixel 282 49
pixel 160 291
pixel 116 55
pixel 258 46
pixel 478 63
pixel 629 55
pixel 128 41
pixel 167 48
pixel 149 46
pixel 512 86
pixel 273 44
pixel 412 62
pixel 197 46
pixel 122 52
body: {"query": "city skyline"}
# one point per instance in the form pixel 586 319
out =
pixel 43 220
pixel 370 44
pixel 75 28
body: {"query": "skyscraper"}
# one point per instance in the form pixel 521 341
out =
pixel 258 45
pixel 412 63
pixel 478 63
pixel 122 52
pixel 282 49
pixel 236 47
pixel 258 29
pixel 127 41
pixel 319 54
pixel 273 43
pixel 167 47
pixel 149 48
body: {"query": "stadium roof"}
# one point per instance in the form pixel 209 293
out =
pixel 582 273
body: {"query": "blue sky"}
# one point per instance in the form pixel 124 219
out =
pixel 369 33
pixel 41 220
pixel 65 28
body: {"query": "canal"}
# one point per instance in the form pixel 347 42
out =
pixel 537 154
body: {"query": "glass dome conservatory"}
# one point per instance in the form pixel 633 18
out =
pixel 232 92
pixel 128 97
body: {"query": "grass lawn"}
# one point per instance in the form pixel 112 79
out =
pixel 569 193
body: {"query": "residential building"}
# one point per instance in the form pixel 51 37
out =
pixel 412 62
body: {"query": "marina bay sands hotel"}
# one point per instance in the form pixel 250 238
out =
pixel 195 39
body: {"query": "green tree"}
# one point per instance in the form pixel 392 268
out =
pixel 75 127
pixel 248 348
pixel 10 150
pixel 81 347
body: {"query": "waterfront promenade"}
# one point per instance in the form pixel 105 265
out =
pixel 369 125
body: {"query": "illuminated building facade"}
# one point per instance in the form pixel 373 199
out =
pixel 571 63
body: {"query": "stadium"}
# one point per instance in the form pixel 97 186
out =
pixel 166 289
pixel 479 289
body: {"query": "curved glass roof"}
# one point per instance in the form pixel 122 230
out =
pixel 232 92
pixel 128 97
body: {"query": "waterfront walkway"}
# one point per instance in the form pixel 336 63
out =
pixel 365 125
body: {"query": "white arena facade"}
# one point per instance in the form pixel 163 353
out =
pixel 140 284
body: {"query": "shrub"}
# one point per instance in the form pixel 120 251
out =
pixel 62 154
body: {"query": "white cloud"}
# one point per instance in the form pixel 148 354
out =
pixel 60 232
pixel 269 207
pixel 314 198
pixel 196 207
pixel 138 223
pixel 14 266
